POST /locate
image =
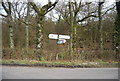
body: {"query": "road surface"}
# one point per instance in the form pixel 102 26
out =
pixel 58 73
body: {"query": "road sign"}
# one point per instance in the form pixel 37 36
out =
pixel 61 38
pixel 53 36
pixel 56 36
pixel 64 37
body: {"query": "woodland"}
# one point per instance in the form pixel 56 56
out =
pixel 93 27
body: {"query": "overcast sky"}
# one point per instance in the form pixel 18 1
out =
pixel 46 1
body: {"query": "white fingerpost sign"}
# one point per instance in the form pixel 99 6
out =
pixel 53 36
pixel 61 38
pixel 64 37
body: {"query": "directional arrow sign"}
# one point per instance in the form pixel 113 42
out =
pixel 64 37
pixel 61 41
pixel 56 36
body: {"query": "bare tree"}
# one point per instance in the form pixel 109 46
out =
pixel 7 6
pixel 100 27
pixel 41 12
pixel 74 13
pixel 27 26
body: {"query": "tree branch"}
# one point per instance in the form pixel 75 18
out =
pixel 86 18
pixel 3 15
pixel 47 8
pixel 37 10
pixel 118 7
pixel 25 22
pixel 9 4
pixel 6 10
pixel 108 10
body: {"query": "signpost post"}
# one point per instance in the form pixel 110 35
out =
pixel 61 40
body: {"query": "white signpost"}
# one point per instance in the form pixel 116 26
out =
pixel 61 38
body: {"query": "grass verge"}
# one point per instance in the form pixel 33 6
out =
pixel 58 64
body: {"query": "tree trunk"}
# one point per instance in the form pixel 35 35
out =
pixel 117 28
pixel 39 34
pixel 1 41
pixel 11 40
pixel 71 30
pixel 117 31
pixel 27 37
pixel 39 39
pixel 27 27
pixel 100 27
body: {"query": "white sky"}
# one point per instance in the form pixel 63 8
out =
pixel 46 1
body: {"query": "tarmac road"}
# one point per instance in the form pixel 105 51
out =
pixel 17 72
